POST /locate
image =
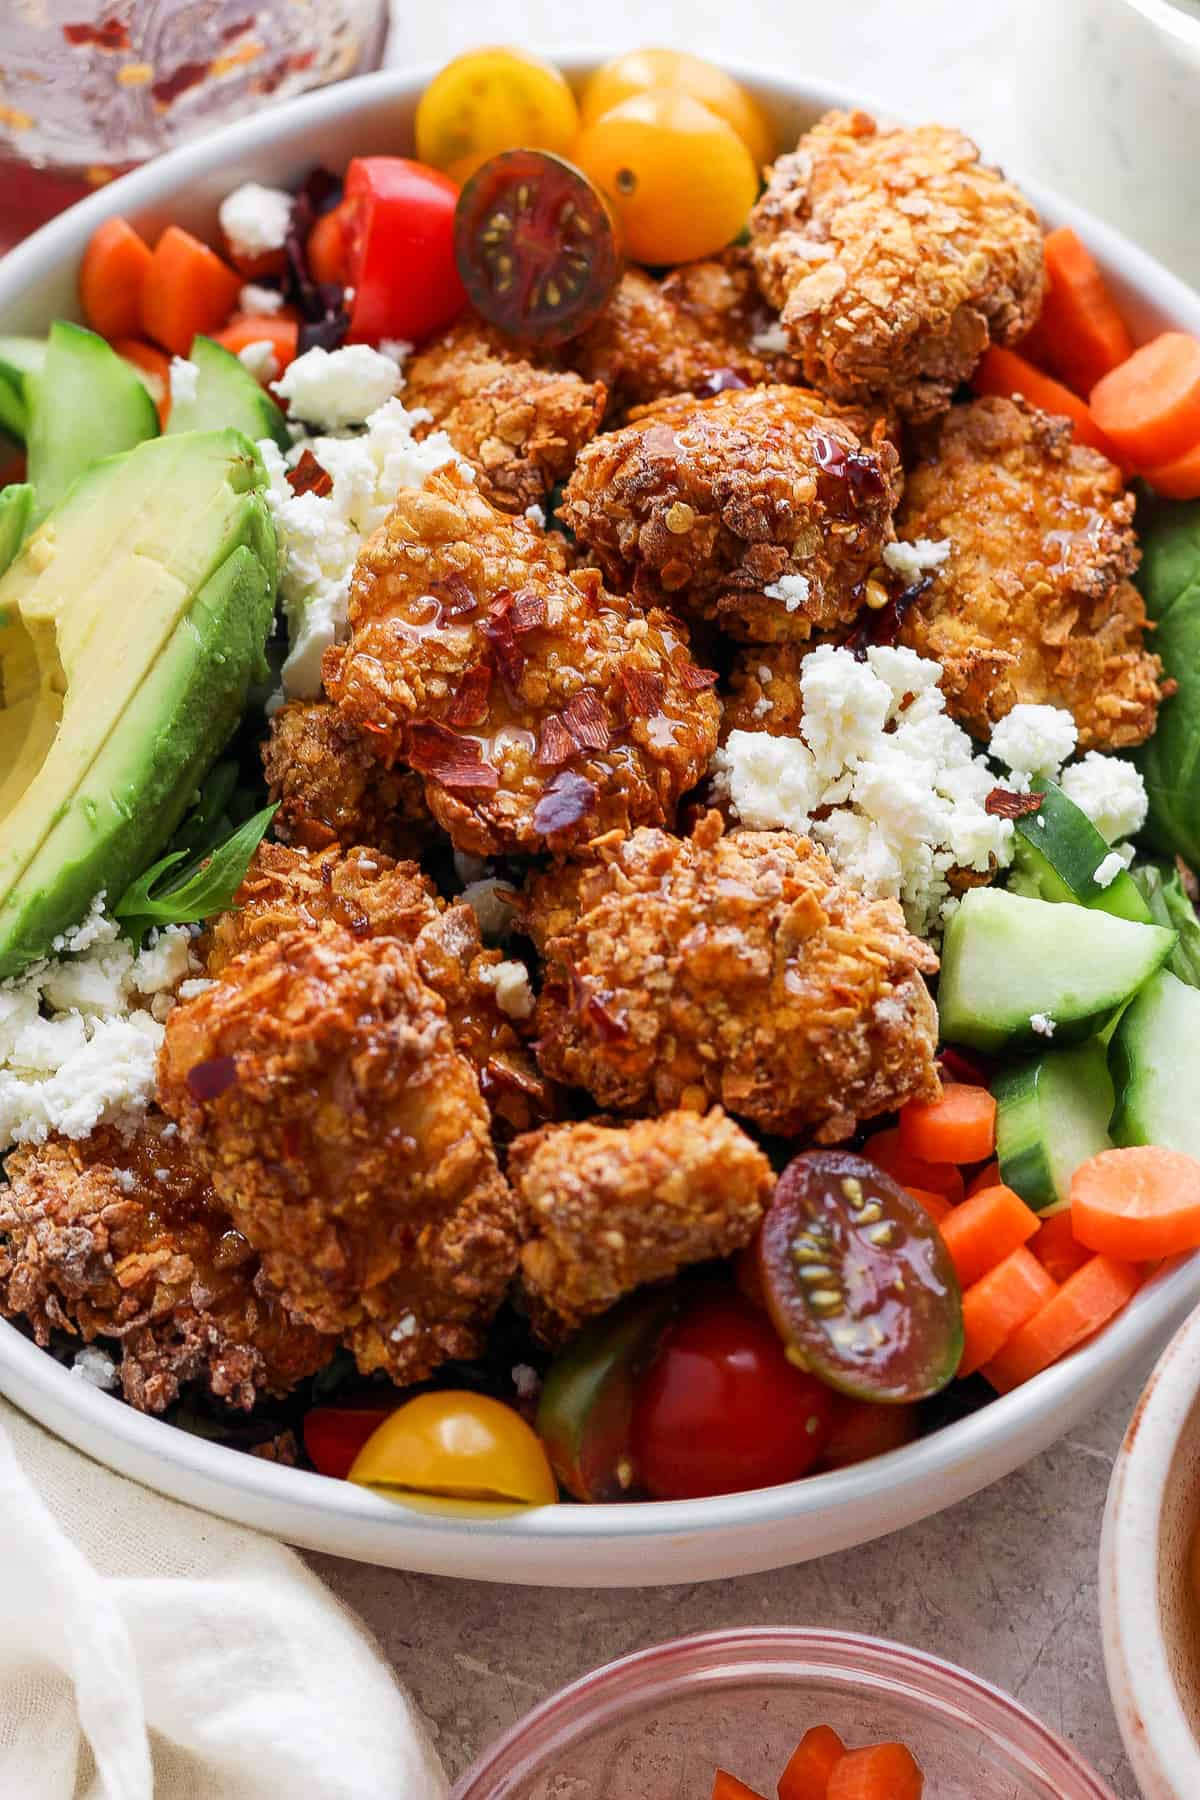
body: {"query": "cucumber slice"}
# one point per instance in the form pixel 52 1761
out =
pixel 1056 852
pixel 1154 1058
pixel 1052 1114
pixel 19 356
pixel 227 394
pixel 1007 960
pixel 16 504
pixel 86 404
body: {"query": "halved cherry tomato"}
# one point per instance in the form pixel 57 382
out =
pixel 721 1408
pixel 681 181
pixel 399 225
pixel 536 246
pixel 858 1281
pixel 460 1446
pixel 334 1435
pixel 491 100
pixel 329 245
pixel 639 70
pixel 865 1428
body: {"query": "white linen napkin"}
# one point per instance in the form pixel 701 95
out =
pixel 150 1652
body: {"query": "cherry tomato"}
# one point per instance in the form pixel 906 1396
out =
pixel 330 244
pixel 858 1281
pixel 399 227
pixel 680 179
pixel 536 247
pixel 721 1409
pixel 864 1428
pixel 491 100
pixel 639 70
pixel 334 1435
pixel 460 1446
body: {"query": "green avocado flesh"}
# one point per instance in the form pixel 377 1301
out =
pixel 131 626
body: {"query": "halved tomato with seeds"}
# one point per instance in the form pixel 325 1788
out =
pixel 536 246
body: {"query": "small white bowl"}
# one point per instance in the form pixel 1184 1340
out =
pixel 1149 1613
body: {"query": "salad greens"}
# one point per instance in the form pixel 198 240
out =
pixel 1161 887
pixel 205 887
pixel 1170 762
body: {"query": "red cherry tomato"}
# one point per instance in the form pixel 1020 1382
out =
pixel 329 245
pixel 334 1435
pixel 721 1409
pixel 399 228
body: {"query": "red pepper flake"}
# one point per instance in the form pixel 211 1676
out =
pixel 644 689
pixel 567 799
pixel 611 1026
pixel 186 76
pixel 208 1080
pixel 110 34
pixel 500 632
pixel 470 703
pixel 556 745
pixel 456 596
pixel 236 29
pixel 528 610
pixel 693 677
pixel 1002 803
pixel 587 720
pixel 308 477
pixel 453 760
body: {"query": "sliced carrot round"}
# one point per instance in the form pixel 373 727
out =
pixel 960 1127
pixel 880 1772
pixel 1177 480
pixel 886 1149
pixel 985 1229
pixel 187 290
pixel 110 279
pixel 1150 406
pixel 728 1787
pixel 1056 1246
pixel 1085 1301
pixel 1005 373
pixel 1140 1203
pixel 1080 332
pixel 998 1304
pixel 813 1760
pixel 280 330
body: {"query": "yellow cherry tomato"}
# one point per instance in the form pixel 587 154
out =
pixel 680 179
pixel 459 1446
pixel 491 100
pixel 639 70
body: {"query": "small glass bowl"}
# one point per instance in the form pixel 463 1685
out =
pixel 656 1725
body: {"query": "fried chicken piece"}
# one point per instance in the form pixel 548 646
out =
pixel 520 426
pixel 764 690
pixel 540 709
pixel 330 788
pixel 894 258
pixel 370 895
pixel 123 1238
pixel 605 1209
pixel 318 1084
pixel 737 969
pixel 757 508
pixel 1033 602
pixel 704 327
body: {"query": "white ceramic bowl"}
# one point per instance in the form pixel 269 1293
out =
pixel 558 1545
pixel 1149 1615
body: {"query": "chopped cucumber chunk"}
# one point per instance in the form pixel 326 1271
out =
pixel 227 395
pixel 86 404
pixel 1155 1062
pixel 19 356
pixel 1052 1113
pixel 1056 852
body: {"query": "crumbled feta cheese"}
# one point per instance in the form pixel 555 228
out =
pixel 526 1381
pixel 399 349
pixel 492 902
pixel 405 1327
pixel 259 359
pixel 770 782
pixel 336 388
pixel 509 982
pixel 319 536
pixel 1034 740
pixel 96 1367
pixel 793 590
pixel 255 219
pixel 259 302
pixel 185 377
pixel 772 340
pixel 911 561
pixel 1110 791
pixel 1112 866
pixel 536 516
pixel 1042 1023
pixel 165 962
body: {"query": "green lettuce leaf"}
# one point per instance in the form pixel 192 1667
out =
pixel 1169 579
pixel 197 892
pixel 1161 887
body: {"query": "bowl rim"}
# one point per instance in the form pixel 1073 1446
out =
pixel 31 1376
pixel 951 1693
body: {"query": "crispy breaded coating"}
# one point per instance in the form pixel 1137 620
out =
pixel 740 970
pixel 704 326
pixel 370 895
pixel 318 1084
pixel 605 1209
pixel 123 1238
pixel 1033 602
pixel 330 788
pixel 520 426
pixel 764 690
pixel 540 709
pixel 715 503
pixel 894 257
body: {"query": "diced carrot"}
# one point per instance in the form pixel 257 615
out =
pixel 988 1176
pixel 811 1764
pixel 1150 406
pixel 1085 1301
pixel 865 1428
pixel 188 289
pixel 1177 480
pixel 1004 372
pixel 277 329
pixel 936 1205
pixel 111 277
pixel 154 368
pixel 985 1229
pixel 1081 332
pixel 728 1787
pixel 958 1128
pixel 257 268
pixel 328 245
pixel 1056 1246
pixel 886 1149
pixel 998 1304
pixel 1140 1203
pixel 880 1772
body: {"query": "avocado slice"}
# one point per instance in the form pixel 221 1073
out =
pixel 131 627
pixel 16 505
